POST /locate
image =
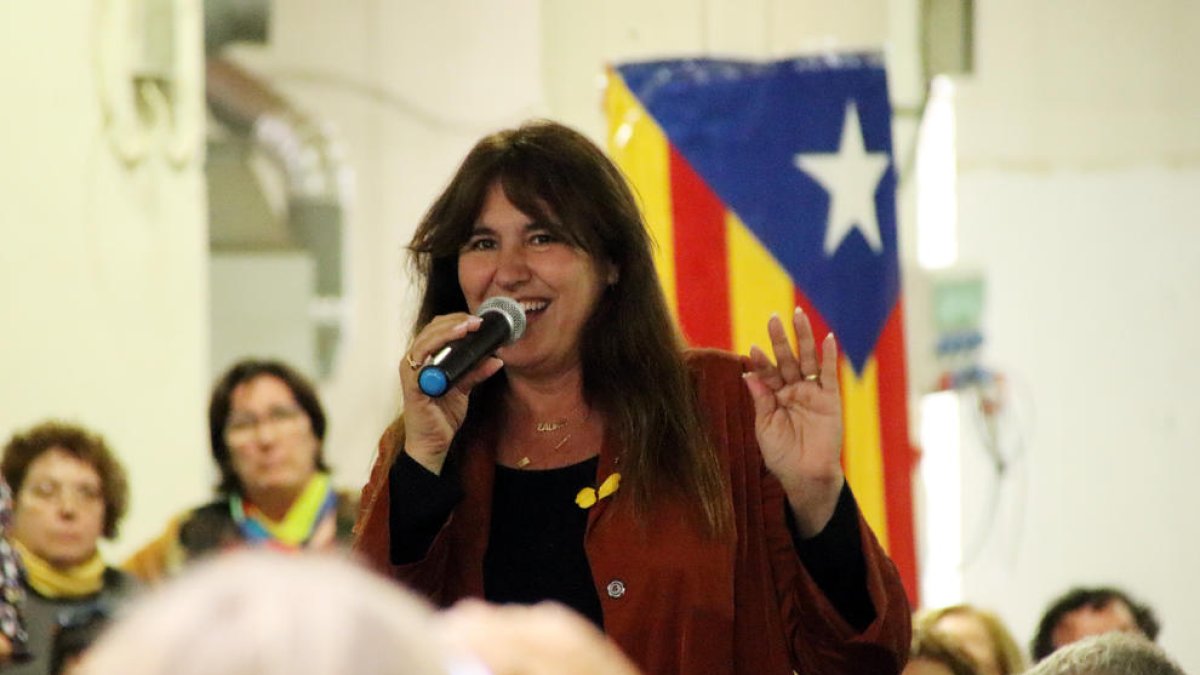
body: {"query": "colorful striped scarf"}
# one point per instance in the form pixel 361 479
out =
pixel 316 502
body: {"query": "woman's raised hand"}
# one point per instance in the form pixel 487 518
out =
pixel 798 419
pixel 430 423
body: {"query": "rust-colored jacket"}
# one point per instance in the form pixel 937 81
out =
pixel 674 600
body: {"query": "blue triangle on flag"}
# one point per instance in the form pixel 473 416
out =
pixel 742 125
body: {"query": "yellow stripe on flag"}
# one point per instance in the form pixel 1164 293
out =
pixel 638 146
pixel 863 456
pixel 758 287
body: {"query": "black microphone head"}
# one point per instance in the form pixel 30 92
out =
pixel 508 308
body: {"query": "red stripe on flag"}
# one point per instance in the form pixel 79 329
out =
pixel 701 258
pixel 898 455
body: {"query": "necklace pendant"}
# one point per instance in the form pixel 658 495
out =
pixel 543 427
pixel 524 462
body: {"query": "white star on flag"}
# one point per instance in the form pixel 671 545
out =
pixel 850 176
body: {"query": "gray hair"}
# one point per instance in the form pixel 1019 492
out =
pixel 262 613
pixel 1108 654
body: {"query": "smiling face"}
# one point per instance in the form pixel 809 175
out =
pixel 59 511
pixel 558 285
pixel 271 441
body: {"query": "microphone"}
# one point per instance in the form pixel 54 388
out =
pixel 503 323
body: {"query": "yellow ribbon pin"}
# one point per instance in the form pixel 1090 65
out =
pixel 588 497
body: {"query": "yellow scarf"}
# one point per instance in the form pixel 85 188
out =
pixel 86 578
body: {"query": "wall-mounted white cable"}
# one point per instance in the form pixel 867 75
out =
pixel 187 87
pixel 150 107
pixel 123 124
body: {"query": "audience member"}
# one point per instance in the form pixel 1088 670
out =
pixel 980 633
pixel 1091 611
pixel 12 590
pixel 262 613
pixel 1110 653
pixel 259 612
pixel 70 491
pixel 542 639
pixel 266 429
pixel 934 653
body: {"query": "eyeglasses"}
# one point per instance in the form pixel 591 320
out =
pixel 52 491
pixel 241 429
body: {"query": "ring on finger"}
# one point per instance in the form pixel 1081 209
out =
pixel 415 365
pixel 812 377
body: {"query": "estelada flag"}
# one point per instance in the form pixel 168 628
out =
pixel 772 185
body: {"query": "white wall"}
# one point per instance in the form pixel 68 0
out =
pixel 102 268
pixel 1082 84
pixel 1080 162
pixel 1090 281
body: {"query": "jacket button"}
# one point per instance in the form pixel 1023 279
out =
pixel 616 588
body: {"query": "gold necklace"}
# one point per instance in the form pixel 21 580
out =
pixel 525 461
pixel 547 427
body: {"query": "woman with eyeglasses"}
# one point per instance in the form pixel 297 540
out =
pixel 266 427
pixel 70 491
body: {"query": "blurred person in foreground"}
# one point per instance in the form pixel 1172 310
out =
pixel 690 502
pixel 541 639
pixel 70 491
pixel 1108 654
pixel 262 613
pixel 935 653
pixel 1081 612
pixel 979 633
pixel 266 428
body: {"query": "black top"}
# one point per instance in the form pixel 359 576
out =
pixel 536 547
pixel 535 551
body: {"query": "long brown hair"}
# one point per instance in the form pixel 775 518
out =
pixel 631 351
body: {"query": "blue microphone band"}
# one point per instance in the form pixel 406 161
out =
pixel 503 321
pixel 433 381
